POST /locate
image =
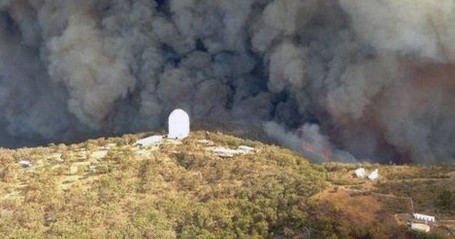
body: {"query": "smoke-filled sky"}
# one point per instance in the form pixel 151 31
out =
pixel 333 79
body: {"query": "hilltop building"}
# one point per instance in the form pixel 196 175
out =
pixel 423 217
pixel 420 227
pixel 360 173
pixel 152 140
pixel 179 124
pixel 374 175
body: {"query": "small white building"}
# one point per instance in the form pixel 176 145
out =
pixel 227 152
pixel 25 163
pixel 360 173
pixel 374 175
pixel 420 227
pixel 423 217
pixel 246 149
pixel 179 124
pixel 152 140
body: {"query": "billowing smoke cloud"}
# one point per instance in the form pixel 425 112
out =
pixel 335 80
pixel 309 142
pixel 419 28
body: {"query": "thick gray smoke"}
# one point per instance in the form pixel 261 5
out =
pixel 334 80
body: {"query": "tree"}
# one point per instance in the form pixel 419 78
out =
pixel 445 200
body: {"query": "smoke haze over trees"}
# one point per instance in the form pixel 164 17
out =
pixel 331 79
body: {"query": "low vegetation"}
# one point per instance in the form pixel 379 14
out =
pixel 109 188
pixel 177 190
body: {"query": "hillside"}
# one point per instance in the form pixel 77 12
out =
pixel 209 185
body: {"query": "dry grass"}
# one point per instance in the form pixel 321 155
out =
pixel 109 188
pixel 360 209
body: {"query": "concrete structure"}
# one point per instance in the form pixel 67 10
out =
pixel 360 173
pixel 423 217
pixel 227 152
pixel 25 163
pixel 152 140
pixel 246 149
pixel 179 124
pixel 374 175
pixel 420 227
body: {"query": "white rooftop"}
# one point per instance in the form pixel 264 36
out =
pixel 424 217
pixel 420 227
pixel 227 152
pixel 374 175
pixel 360 172
pixel 152 140
pixel 25 163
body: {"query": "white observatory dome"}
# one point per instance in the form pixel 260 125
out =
pixel 179 124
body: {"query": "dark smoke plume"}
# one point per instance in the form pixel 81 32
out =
pixel 335 80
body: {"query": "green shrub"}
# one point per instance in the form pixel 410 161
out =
pixel 446 200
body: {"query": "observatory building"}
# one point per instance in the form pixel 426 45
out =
pixel 179 124
pixel 423 217
pixel 374 175
pixel 360 173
